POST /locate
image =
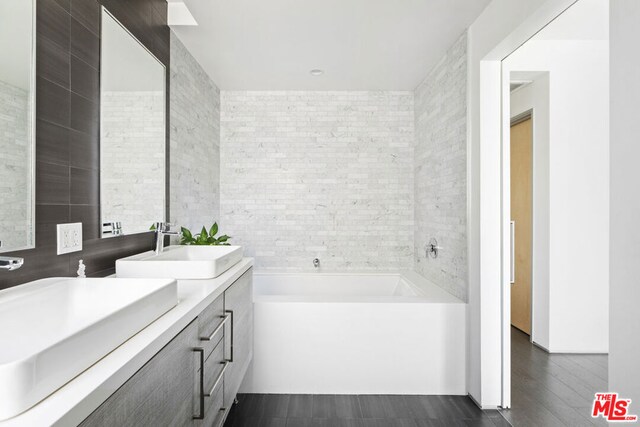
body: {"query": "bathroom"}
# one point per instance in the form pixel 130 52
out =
pixel 351 157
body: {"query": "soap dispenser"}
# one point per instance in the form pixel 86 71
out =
pixel 81 268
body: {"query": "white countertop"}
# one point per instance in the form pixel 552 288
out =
pixel 76 400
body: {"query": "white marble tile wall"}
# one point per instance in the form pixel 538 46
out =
pixel 132 158
pixel 440 171
pixel 15 166
pixel 195 141
pixel 319 174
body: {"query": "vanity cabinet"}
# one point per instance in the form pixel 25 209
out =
pixel 194 379
pixel 238 300
pixel 226 342
pixel 213 326
pixel 160 393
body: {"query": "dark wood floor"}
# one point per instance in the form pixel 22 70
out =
pixel 553 389
pixel 257 410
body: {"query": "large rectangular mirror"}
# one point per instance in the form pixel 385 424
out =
pixel 17 142
pixel 132 133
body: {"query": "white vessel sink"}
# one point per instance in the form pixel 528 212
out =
pixel 181 262
pixel 53 329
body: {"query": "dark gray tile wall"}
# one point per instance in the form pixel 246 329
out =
pixel 67 131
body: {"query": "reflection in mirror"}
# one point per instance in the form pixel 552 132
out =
pixel 132 136
pixel 16 125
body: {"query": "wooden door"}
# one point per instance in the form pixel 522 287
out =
pixel 521 213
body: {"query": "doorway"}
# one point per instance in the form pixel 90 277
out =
pixel 555 175
pixel 521 221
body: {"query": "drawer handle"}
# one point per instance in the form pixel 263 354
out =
pixel 201 356
pixel 220 376
pixel 222 416
pixel 230 312
pixel 215 332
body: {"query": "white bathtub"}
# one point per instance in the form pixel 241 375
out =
pixel 321 333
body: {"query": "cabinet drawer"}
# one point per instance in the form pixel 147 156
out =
pixel 211 397
pixel 215 412
pixel 213 370
pixel 242 355
pixel 211 325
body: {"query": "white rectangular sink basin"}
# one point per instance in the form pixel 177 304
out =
pixel 51 330
pixel 181 262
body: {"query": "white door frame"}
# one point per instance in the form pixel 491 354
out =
pixel 505 217
pixel 494 174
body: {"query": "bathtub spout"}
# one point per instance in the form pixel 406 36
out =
pixel 316 262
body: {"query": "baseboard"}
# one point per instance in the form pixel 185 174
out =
pixel 485 407
pixel 598 353
pixel 540 346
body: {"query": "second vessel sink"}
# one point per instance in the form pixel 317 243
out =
pixel 181 262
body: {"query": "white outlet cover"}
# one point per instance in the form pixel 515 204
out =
pixel 69 238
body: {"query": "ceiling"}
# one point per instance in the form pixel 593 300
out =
pixel 360 44
pixel 584 20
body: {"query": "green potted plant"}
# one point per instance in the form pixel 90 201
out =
pixel 204 238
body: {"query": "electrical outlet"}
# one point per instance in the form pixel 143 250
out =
pixel 69 238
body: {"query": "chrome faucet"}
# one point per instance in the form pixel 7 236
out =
pixel 316 262
pixel 10 263
pixel 162 229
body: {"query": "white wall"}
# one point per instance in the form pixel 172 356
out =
pixel 499 19
pixel 535 97
pixel 195 142
pixel 501 28
pixel 319 174
pixel 578 192
pixel 624 354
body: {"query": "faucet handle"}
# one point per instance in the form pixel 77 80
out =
pixel 431 249
pixel 163 226
pixel 10 263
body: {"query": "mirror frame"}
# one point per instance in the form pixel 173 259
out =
pixel 31 179
pixel 165 174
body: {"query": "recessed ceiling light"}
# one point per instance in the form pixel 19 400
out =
pixel 316 72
